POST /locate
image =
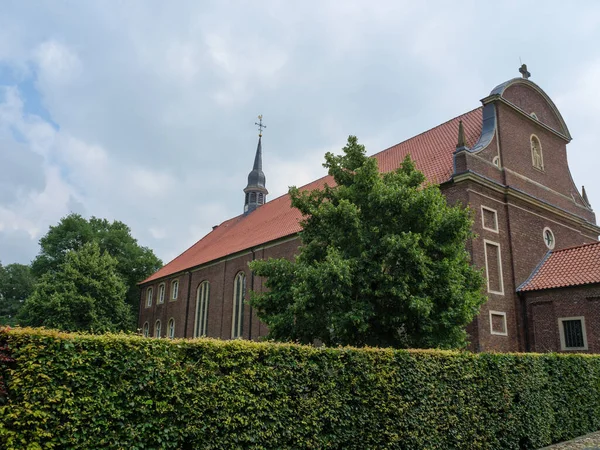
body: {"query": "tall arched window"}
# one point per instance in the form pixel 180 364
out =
pixel 202 296
pixel 261 198
pixel 174 289
pixel 146 329
pixel 171 328
pixel 161 293
pixel 157 329
pixel 239 294
pixel 149 297
pixel 537 157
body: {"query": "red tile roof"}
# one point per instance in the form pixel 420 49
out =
pixel 572 266
pixel 431 150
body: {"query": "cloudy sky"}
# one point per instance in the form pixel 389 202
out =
pixel 144 111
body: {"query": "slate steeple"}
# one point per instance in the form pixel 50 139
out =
pixel 256 192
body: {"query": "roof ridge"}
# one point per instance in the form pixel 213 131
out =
pixel 535 271
pixel 573 247
pixel 430 129
pixel 390 147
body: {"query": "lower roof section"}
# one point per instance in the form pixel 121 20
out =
pixel 573 266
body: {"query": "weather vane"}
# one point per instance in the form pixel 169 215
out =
pixel 260 125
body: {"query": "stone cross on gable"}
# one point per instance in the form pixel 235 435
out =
pixel 260 125
pixel 524 71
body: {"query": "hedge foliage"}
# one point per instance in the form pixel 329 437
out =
pixel 127 392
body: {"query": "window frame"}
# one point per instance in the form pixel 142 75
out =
pixel 503 315
pixel 487 208
pixel 157 328
pixel 161 290
pixel 149 296
pixel 487 271
pixel 174 292
pixel 171 328
pixel 547 229
pixel 561 330
pixel 146 329
pixel 237 316
pixel 202 302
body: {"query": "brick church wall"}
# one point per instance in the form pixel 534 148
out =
pixel 545 307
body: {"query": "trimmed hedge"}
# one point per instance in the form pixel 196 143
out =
pixel 117 391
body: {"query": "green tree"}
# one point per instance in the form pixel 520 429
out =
pixel 16 284
pixel 382 262
pixel 85 293
pixel 134 262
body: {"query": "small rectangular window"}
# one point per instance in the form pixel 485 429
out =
pixel 572 333
pixel 498 323
pixel 489 219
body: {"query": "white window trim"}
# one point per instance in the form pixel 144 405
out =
pixel 169 335
pixel 236 334
pixel 159 329
pixel 495 218
pixel 553 237
pixel 146 329
pixel 174 295
pixel 149 295
pixel 164 289
pixel 561 330
pixel 487 272
pixel 204 319
pixel 498 313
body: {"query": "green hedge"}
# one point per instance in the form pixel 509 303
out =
pixel 115 391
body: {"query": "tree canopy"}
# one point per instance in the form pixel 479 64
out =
pixel 134 263
pixel 16 284
pixel 85 293
pixel 382 262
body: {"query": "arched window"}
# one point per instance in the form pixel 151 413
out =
pixel 146 329
pixel 161 293
pixel 157 329
pixel 261 198
pixel 537 157
pixel 149 297
pixel 202 296
pixel 239 294
pixel 174 289
pixel 171 328
pixel 252 197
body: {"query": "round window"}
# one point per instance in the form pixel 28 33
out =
pixel 549 238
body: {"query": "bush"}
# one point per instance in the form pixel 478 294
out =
pixel 119 391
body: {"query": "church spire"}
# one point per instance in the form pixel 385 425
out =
pixel 256 191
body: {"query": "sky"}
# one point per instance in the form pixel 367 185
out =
pixel 144 111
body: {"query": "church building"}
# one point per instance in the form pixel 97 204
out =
pixel 536 234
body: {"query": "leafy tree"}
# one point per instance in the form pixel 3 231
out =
pixel 16 284
pixel 85 293
pixel 382 262
pixel 134 262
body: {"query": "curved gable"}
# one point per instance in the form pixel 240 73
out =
pixel 531 99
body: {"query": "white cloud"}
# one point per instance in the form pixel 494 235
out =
pixel 152 105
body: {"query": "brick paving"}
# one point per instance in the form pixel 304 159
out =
pixel 587 442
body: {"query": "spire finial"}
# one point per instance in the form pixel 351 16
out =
pixel 462 143
pixel 524 71
pixel 260 125
pixel 584 195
